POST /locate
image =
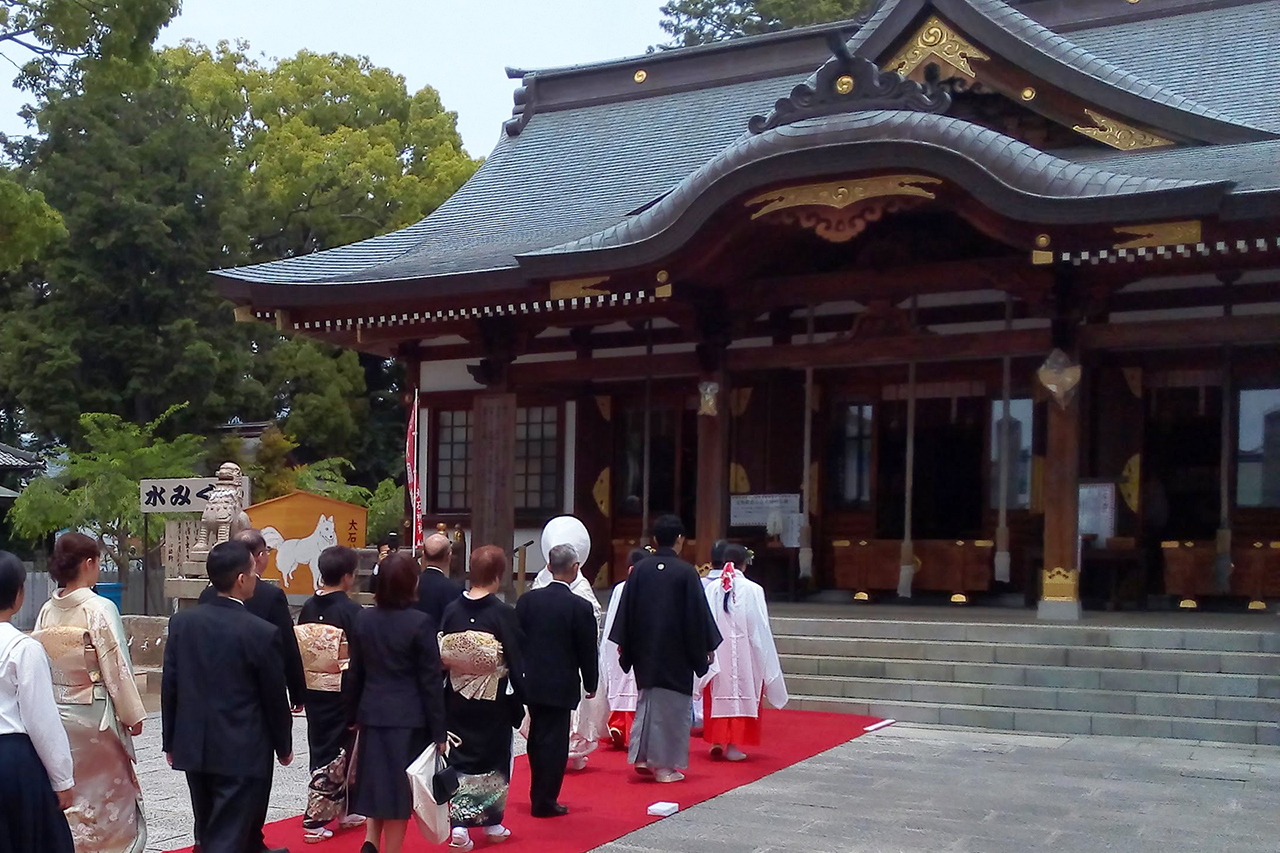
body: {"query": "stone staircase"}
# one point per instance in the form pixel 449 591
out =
pixel 1178 682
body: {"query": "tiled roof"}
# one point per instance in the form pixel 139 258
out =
pixel 1225 57
pixel 13 458
pixel 569 173
pixel 986 163
pixel 1252 166
pixel 577 173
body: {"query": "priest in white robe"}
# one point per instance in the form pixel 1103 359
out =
pixel 749 669
pixel 619 687
pixel 590 719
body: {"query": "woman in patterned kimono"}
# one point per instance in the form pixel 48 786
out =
pixel 480 649
pixel 98 699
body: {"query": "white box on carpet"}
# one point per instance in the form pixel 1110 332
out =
pixel 664 809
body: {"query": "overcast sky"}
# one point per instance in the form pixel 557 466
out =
pixel 458 46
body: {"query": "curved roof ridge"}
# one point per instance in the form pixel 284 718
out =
pixel 991 21
pixel 1000 164
pixel 1062 49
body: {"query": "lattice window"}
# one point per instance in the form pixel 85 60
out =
pixel 455 433
pixel 537 479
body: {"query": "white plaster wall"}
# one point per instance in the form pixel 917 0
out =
pixel 448 375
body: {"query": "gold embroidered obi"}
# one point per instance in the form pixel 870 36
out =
pixel 475 662
pixel 73 663
pixel 325 655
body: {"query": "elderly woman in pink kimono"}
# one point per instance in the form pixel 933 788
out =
pixel 98 699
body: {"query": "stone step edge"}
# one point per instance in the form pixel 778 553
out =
pixel 1100 669
pixel 1046 626
pixel 1230 725
pixel 784 626
pixel 870 679
pixel 1139 649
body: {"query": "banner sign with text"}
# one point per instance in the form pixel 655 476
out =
pixel 186 494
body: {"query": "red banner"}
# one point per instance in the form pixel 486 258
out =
pixel 413 483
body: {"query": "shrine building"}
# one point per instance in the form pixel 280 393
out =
pixel 964 300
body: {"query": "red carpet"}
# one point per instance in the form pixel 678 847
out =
pixel 608 800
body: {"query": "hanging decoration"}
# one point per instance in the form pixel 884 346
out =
pixel 1060 375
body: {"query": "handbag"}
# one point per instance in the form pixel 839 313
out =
pixel 444 782
pixel 433 783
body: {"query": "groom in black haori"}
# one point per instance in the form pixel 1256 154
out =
pixel 666 634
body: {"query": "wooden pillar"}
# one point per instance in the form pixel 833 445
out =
pixel 907 564
pixel 1060 595
pixel 493 509
pixel 1002 558
pixel 712 517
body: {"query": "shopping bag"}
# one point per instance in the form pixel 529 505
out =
pixel 432 817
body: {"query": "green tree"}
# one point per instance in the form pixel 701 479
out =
pixel 320 395
pixel 692 22
pixel 96 489
pixel 60 38
pixel 52 43
pixel 328 477
pixel 120 318
pixel 270 471
pixel 386 511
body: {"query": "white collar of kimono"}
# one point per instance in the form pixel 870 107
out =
pixel 75 598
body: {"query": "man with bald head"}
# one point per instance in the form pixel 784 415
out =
pixel 435 590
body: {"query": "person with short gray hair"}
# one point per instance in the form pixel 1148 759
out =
pixel 560 663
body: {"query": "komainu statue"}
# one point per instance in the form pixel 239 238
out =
pixel 224 514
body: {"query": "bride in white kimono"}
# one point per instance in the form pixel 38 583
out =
pixel 590 719
pixel 747 660
pixel 618 686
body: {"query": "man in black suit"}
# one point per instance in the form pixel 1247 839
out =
pixel 560 661
pixel 436 590
pixel 224 706
pixel 269 602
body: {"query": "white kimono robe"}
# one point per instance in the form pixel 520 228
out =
pixel 591 718
pixel 619 686
pixel 747 660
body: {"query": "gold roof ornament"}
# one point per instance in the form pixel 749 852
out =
pixel 1117 134
pixel 936 40
pixel 1060 376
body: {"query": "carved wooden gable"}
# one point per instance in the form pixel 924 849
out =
pixel 990 90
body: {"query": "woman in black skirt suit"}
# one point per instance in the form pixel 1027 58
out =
pixel 397 702
pixel 35 756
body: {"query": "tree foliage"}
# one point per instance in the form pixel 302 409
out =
pixel 692 22
pixel 96 489
pixel 61 38
pixel 386 509
pixel 216 160
pixel 53 43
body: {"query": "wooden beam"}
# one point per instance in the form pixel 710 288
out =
pixel 1215 331
pixel 893 350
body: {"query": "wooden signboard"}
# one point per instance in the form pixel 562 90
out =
pixel 297 528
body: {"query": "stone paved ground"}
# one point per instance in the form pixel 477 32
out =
pixel 921 790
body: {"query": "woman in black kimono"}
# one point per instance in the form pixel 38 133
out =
pixel 326 628
pixel 480 649
pixel 397 702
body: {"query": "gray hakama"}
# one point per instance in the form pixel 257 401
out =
pixel 660 733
